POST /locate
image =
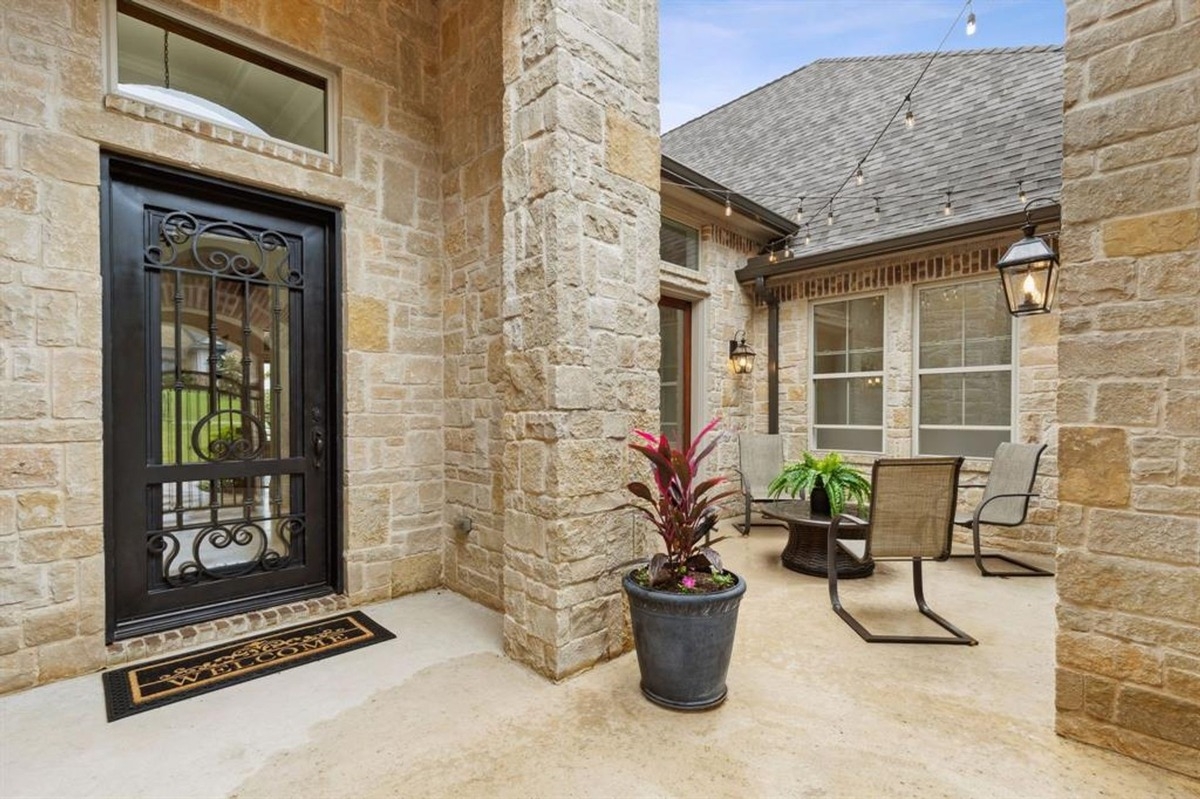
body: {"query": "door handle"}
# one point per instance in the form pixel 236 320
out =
pixel 318 448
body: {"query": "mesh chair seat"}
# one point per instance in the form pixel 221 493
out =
pixel 912 518
pixel 1005 503
pixel 760 460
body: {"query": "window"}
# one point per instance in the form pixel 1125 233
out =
pixel 847 375
pixel 964 370
pixel 679 244
pixel 165 62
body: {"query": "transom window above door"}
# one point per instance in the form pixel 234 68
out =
pixel 679 244
pixel 164 61
pixel 847 374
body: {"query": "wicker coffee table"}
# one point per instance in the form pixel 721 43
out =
pixel 807 544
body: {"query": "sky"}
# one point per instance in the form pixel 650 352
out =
pixel 714 51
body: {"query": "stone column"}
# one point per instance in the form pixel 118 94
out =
pixel 1129 394
pixel 580 288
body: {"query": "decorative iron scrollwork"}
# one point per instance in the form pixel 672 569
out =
pixel 240 439
pixel 222 248
pixel 212 538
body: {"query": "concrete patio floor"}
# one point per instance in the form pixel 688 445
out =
pixel 812 711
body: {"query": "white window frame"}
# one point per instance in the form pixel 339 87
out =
pixel 317 69
pixel 813 378
pixel 917 372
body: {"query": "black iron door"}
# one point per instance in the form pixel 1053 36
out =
pixel 220 398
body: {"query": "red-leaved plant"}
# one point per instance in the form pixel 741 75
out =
pixel 683 512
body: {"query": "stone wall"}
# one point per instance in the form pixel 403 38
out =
pixel 472 93
pixel 898 277
pixel 54 119
pixel 580 276
pixel 1129 397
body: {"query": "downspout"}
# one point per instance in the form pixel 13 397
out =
pixel 772 301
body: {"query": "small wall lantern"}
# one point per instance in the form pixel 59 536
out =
pixel 1028 271
pixel 740 354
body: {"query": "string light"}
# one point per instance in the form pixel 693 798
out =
pixel 910 119
pixel 800 211
pixel 947 209
pixel 728 206
pixel 858 175
pixel 787 250
pixel 829 216
pixel 807 235
pixel 772 256
pixel 1021 191
pixel 876 209
pixel 970 19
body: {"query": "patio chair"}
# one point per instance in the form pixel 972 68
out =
pixel 1005 502
pixel 912 518
pixel 760 460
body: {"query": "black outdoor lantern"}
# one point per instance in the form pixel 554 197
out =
pixel 1028 271
pixel 740 354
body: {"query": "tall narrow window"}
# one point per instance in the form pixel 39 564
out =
pixel 847 375
pixel 964 370
pixel 679 244
pixel 163 61
pixel 675 370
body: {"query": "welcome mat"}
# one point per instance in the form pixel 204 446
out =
pixel 134 689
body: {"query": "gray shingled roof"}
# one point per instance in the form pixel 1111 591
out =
pixel 984 120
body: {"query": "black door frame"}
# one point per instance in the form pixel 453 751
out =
pixel 120 168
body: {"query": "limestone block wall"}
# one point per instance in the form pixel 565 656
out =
pixel 1129 396
pixel 581 286
pixel 720 308
pixel 898 277
pixel 54 119
pixel 472 93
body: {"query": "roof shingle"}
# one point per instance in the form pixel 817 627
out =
pixel 985 119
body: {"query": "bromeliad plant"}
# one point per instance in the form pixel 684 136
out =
pixel 683 512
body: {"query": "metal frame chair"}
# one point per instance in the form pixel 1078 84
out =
pixel 1005 503
pixel 760 460
pixel 912 518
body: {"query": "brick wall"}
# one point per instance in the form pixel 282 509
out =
pixel 898 277
pixel 1129 397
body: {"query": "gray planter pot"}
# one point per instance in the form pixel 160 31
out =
pixel 683 643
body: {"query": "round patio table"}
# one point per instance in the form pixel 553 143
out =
pixel 807 545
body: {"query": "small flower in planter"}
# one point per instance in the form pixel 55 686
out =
pixel 683 511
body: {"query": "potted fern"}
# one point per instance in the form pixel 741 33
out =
pixel 829 481
pixel 683 603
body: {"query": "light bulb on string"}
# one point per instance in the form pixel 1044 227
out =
pixel 807 235
pixel 772 258
pixel 876 208
pixel 971 20
pixel 829 216
pixel 1021 191
pixel 728 206
pixel 910 119
pixel 858 176
pixel 787 249
pixel 947 209
pixel 800 211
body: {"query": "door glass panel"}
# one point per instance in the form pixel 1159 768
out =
pixel 225 527
pixel 671 373
pixel 225 360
